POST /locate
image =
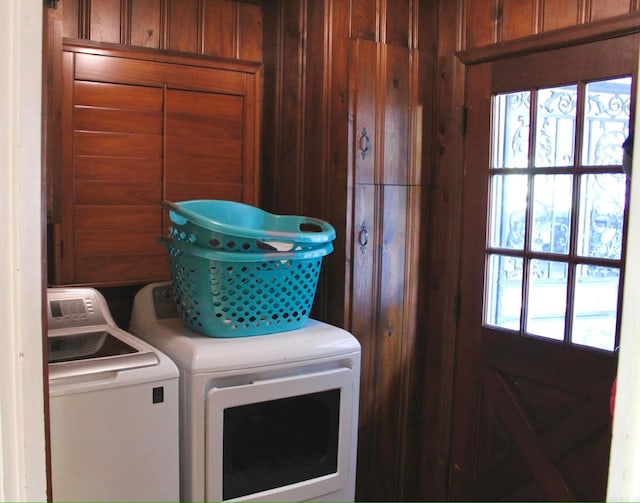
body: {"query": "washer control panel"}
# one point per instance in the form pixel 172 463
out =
pixel 74 307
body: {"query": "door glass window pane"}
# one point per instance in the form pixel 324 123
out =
pixel 504 291
pixel 547 215
pixel 511 130
pixel 606 121
pixel 602 204
pixel 555 126
pixel 547 300
pixel 508 212
pixel 595 308
pixel 551 213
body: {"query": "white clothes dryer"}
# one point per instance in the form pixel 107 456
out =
pixel 263 418
pixel 113 402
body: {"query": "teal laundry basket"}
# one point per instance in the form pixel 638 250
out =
pixel 230 294
pixel 233 226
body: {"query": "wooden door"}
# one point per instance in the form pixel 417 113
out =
pixel 539 301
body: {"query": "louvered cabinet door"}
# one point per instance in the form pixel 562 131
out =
pixel 111 182
pixel 138 129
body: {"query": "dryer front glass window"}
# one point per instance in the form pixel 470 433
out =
pixel 280 442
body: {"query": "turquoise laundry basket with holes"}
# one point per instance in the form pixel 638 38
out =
pixel 232 226
pixel 228 294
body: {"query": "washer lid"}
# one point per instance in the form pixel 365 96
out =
pixel 83 352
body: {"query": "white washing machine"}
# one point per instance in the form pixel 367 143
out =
pixel 264 418
pixel 113 406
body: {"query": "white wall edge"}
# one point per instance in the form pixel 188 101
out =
pixel 22 440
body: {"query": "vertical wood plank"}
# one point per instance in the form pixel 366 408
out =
pixel 397 22
pixel 441 236
pixel 220 27
pixel 271 109
pixel 105 21
pixel 250 32
pixel 183 26
pixel 601 9
pixel 145 23
pixel 396 116
pixel 365 19
pixel 480 22
pixel 52 136
pixel 288 180
pixel 517 19
pixel 339 172
pixel 70 20
pixel 315 95
pixel 560 14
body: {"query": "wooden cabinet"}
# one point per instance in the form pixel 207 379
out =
pixel 385 258
pixel 137 128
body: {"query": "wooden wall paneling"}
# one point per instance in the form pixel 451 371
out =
pixel 442 223
pixel 560 14
pixel 249 31
pixel 145 26
pixel 397 113
pixel 314 139
pixel 70 18
pixel 287 194
pixel 52 88
pixel 363 321
pixel 519 19
pixel 105 21
pixel 183 26
pixel 600 9
pixel 398 22
pixel 271 119
pixel 481 19
pixel 365 19
pixel 220 28
pixel 338 199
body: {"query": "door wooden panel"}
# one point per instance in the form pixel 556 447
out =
pixel 531 415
